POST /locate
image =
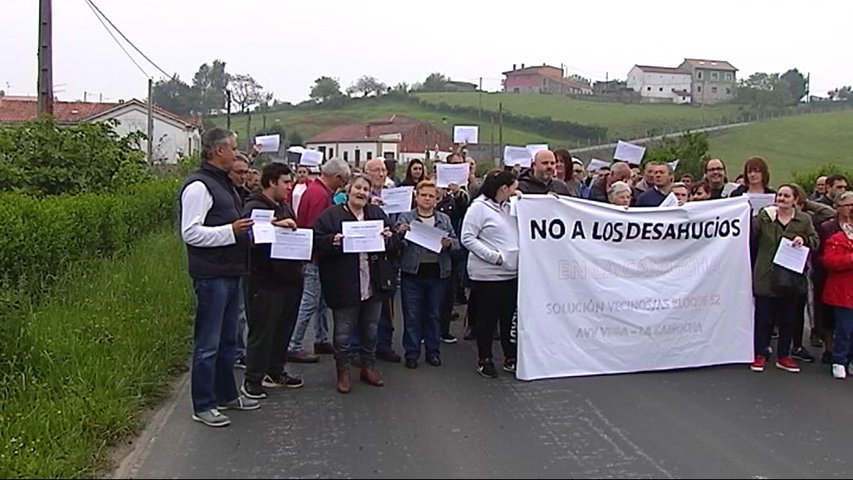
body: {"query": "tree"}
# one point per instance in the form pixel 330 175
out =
pixel 435 82
pixel 794 84
pixel 247 92
pixel 841 94
pixel 295 139
pixel 175 96
pixel 367 85
pixel 209 84
pixel 325 89
pixel 690 149
pixel 579 79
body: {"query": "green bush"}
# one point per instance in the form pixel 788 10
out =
pixel 690 149
pixel 42 238
pixel 43 158
pixel 808 178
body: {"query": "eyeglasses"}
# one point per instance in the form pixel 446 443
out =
pixel 715 169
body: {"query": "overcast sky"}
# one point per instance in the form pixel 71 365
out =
pixel 286 45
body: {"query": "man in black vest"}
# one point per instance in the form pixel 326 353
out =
pixel 217 249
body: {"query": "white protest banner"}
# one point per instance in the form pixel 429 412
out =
pixel 535 147
pixel 268 143
pixel 612 291
pixel 596 165
pixel 311 158
pixel 628 152
pixel 465 134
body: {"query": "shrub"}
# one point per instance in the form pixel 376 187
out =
pixel 808 178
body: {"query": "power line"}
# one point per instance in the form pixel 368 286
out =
pixel 95 7
pixel 92 7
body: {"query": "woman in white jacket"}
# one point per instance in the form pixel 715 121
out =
pixel 490 233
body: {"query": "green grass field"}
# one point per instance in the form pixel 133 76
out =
pixel 790 144
pixel 312 122
pixel 623 120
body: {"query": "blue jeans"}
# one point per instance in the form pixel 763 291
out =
pixel 423 300
pixel 842 341
pixel 359 322
pixel 312 307
pixel 242 323
pixel 215 342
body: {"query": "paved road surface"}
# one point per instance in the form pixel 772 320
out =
pixel 449 422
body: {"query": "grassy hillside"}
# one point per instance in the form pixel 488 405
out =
pixel 311 122
pixel 790 144
pixel 623 120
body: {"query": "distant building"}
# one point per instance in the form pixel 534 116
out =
pixel 694 81
pixel 401 138
pixel 173 136
pixel 455 86
pixel 544 79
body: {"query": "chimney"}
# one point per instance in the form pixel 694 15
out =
pixel 2 94
pixel 522 66
pixel 367 131
pixel 513 67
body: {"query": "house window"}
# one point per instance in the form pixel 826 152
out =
pixel 515 90
pixel 323 151
pixel 728 76
pixel 699 88
pixel 713 89
pixel 699 75
pixel 346 156
pixel 648 89
pixel 714 76
pixel 190 146
pixel 728 91
pixel 660 89
pixel 357 157
pixel 331 153
pixel 369 155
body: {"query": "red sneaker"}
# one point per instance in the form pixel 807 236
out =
pixel 758 364
pixel 788 364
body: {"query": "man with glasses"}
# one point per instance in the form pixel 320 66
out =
pixel 317 198
pixel 239 174
pixel 715 175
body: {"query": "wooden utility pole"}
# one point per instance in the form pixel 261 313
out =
pixel 45 58
pixel 481 98
pixel 228 104
pixel 150 122
pixel 501 127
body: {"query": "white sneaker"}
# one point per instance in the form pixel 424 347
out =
pixel 839 371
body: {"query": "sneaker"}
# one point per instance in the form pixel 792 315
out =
pixel 389 356
pixel 788 364
pixel 839 371
pixel 253 391
pixel 241 403
pixel 283 380
pixel 411 363
pixel 240 363
pixel 509 365
pixel 487 369
pixel 803 355
pixel 448 338
pixel 300 356
pixel 434 361
pixel 758 364
pixel 212 418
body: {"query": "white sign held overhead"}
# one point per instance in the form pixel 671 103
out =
pixel 268 143
pixel 596 164
pixel 535 147
pixel 466 134
pixel 311 158
pixel 673 165
pixel 447 173
pixel 628 152
pixel 653 309
pixel 517 156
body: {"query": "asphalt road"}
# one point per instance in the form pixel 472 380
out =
pixel 449 422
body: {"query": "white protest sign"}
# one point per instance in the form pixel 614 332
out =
pixel 268 143
pixel 517 156
pixel 628 152
pixel 447 173
pixel 465 134
pixel 596 164
pixel 760 200
pixel 612 291
pixel 535 147
pixel 311 158
pixel 673 164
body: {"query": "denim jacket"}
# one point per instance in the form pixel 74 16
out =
pixel 411 253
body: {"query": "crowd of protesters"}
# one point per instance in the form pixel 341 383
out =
pixel 253 311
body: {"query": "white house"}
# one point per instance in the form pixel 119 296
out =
pixel 661 84
pixel 173 136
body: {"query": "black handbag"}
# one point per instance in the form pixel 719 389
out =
pixel 382 272
pixel 784 282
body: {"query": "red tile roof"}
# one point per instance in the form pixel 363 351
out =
pixel 22 109
pixel 366 132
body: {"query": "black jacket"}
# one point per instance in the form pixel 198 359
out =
pixel 527 183
pixel 339 271
pixel 265 272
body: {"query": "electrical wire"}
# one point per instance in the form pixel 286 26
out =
pixel 118 42
pixel 99 12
